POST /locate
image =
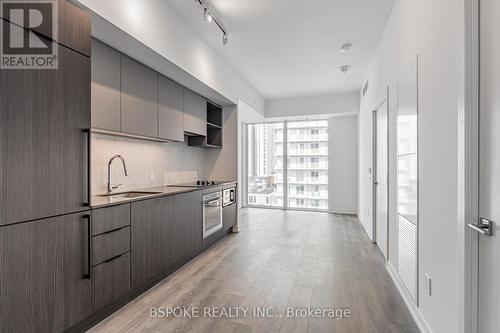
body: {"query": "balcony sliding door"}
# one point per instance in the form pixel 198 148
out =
pixel 287 165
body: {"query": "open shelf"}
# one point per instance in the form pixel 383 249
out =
pixel 214 115
pixel 201 141
pixel 214 124
pixel 210 125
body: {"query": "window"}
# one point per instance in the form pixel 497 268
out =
pixel 310 143
pixel 299 202
pixel 265 164
pixel 299 189
pixel 275 173
pixel 299 176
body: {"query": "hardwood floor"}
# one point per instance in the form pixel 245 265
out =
pixel 280 259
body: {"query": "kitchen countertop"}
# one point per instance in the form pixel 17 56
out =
pixel 99 201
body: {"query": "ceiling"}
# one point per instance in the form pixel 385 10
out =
pixel 291 48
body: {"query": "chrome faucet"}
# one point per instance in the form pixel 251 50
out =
pixel 111 188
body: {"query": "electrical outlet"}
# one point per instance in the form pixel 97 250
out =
pixel 152 177
pixel 428 284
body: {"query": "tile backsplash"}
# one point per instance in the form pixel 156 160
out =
pixel 149 164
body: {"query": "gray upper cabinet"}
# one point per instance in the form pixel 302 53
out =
pixel 139 98
pixel 105 87
pixel 132 99
pixel 195 113
pixel 170 110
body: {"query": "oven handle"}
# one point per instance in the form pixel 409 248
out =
pixel 213 203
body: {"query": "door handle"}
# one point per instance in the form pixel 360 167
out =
pixel 88 252
pixel 484 227
pixel 87 180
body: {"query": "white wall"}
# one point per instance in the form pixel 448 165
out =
pixel 222 163
pixel 430 29
pixel 163 32
pixel 149 164
pixel 315 105
pixel 246 115
pixel 343 151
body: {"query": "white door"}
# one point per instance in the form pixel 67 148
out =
pixel 380 176
pixel 489 169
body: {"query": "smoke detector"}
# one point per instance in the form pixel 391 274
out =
pixel 345 68
pixel 346 47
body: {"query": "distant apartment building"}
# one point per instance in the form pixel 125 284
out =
pixel 306 167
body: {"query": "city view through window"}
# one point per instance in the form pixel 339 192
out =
pixel 304 175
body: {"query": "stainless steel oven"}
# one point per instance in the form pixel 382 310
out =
pixel 212 213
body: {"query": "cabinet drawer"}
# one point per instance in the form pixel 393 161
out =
pixel 111 280
pixel 109 245
pixel 110 218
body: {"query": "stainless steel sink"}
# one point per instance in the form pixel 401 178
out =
pixel 128 195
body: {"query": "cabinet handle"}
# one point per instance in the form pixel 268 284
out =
pixel 88 254
pixel 113 258
pixel 113 230
pixel 86 195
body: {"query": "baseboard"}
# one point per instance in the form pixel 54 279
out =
pixel 344 212
pixel 365 229
pixel 422 324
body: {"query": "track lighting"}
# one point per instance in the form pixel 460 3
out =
pixel 209 16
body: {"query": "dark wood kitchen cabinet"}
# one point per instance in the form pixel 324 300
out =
pixel 170 110
pixel 187 231
pixel 106 113
pixel 139 98
pixel 111 280
pixel 195 113
pixel 42 285
pixel 110 218
pixel 43 142
pixel 150 235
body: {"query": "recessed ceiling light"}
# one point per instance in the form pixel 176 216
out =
pixel 346 47
pixel 345 68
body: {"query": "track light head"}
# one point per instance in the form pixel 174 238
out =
pixel 225 39
pixel 207 16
